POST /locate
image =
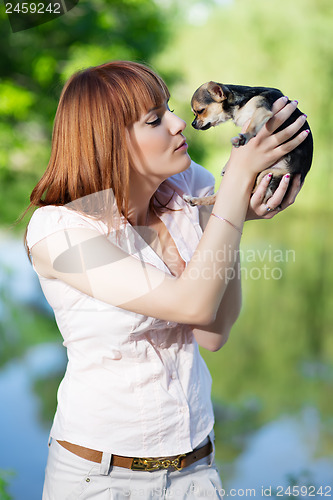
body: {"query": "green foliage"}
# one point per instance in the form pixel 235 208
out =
pixel 21 326
pixel 35 63
pixel 4 476
pixel 280 44
pixel 46 389
pixel 16 101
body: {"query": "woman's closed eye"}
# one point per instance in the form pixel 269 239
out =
pixel 154 121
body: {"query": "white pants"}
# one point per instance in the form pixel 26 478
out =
pixel 69 477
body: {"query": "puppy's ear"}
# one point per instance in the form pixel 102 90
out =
pixel 218 91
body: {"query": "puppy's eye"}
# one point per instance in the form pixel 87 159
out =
pixel 200 111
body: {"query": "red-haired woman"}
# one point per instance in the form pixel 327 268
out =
pixel 137 283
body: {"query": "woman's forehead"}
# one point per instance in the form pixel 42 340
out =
pixel 150 105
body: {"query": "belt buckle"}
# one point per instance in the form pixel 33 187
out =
pixel 152 464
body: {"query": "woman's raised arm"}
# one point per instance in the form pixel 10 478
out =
pixel 102 270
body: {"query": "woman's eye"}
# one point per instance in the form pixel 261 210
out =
pixel 154 122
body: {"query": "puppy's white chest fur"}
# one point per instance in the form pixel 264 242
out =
pixel 245 113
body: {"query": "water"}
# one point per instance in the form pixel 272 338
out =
pixel 23 438
pixel 286 452
pixel 18 280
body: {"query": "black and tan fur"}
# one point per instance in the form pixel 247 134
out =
pixel 214 103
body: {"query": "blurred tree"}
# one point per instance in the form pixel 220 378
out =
pixel 282 44
pixel 4 495
pixel 34 65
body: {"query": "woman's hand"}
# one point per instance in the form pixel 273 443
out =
pixel 278 201
pixel 268 148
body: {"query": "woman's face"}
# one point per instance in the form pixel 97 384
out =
pixel 156 145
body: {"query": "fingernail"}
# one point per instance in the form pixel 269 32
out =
pixel 307 131
pixel 295 102
pixel 269 176
pixel 287 177
pixel 305 115
pixel 285 98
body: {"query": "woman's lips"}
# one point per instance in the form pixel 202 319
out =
pixel 182 146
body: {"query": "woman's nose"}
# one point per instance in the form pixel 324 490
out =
pixel 176 124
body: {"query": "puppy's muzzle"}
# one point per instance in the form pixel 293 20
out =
pixel 198 126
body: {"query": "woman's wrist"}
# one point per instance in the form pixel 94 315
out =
pixel 233 199
pixel 235 186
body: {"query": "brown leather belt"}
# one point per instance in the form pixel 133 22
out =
pixel 178 462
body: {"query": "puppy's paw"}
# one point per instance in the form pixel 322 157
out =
pixel 189 199
pixel 204 200
pixel 239 140
pixel 269 193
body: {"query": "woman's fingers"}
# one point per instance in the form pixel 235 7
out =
pixel 277 202
pixel 281 111
pixel 292 193
pixel 280 200
pixel 260 192
pixel 288 146
pixel 273 205
pixel 274 202
pixel 269 146
pixel 281 115
pixel 279 104
pixel 282 139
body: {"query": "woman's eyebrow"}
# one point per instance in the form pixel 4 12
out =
pixel 159 106
pixel 155 108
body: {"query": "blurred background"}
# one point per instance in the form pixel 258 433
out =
pixel 273 381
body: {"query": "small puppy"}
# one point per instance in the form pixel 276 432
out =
pixel 214 103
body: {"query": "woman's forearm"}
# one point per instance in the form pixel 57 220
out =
pixel 232 204
pixel 107 273
pixel 209 270
pixel 215 335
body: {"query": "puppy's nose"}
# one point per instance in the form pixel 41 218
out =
pixel 194 123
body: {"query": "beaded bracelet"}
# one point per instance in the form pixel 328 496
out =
pixel 228 221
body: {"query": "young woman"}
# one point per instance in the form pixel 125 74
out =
pixel 137 282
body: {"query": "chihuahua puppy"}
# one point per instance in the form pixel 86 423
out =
pixel 214 103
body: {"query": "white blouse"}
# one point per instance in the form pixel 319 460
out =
pixel 134 385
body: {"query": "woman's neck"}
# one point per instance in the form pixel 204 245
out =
pixel 140 192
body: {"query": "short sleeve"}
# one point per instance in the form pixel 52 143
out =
pixel 50 219
pixel 195 181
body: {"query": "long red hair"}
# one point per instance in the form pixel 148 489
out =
pixel 89 151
